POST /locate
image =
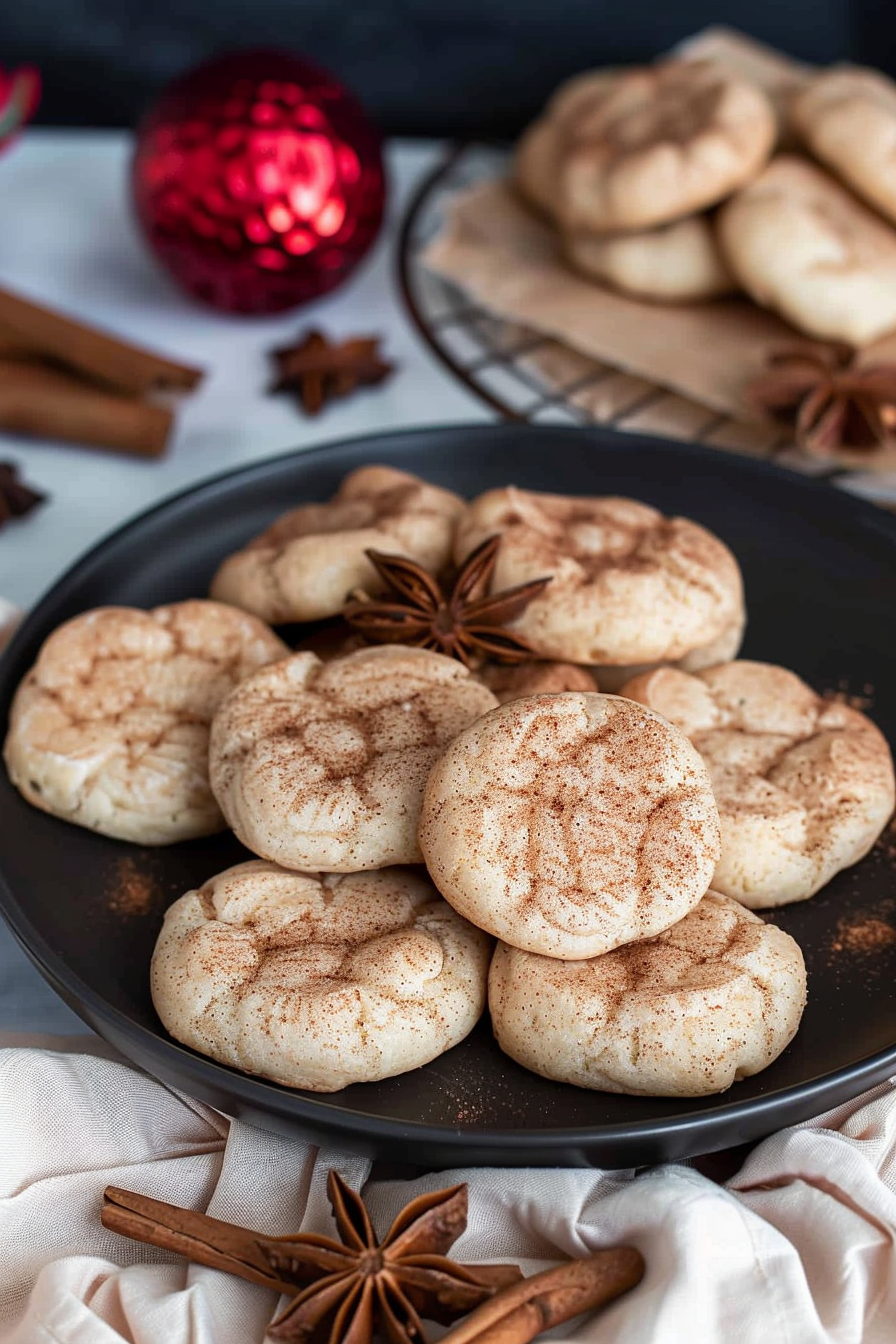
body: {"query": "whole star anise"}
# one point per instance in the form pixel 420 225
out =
pixel 829 400
pixel 16 498
pixel 317 369
pixel 392 1283
pixel 342 1291
pixel 460 619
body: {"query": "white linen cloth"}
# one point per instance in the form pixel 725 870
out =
pixel 797 1249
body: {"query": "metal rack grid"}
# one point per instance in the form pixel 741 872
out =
pixel 527 376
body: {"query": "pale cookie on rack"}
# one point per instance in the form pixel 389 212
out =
pixel 570 824
pixel 305 565
pixel 628 585
pixel 847 118
pixel 110 727
pixel 675 263
pixel 322 765
pixel 713 999
pixel 538 155
pixel 652 144
pixel 803 245
pixel 804 785
pixel 514 682
pixel 318 981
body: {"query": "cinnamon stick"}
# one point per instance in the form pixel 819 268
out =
pixel 53 404
pixel 526 1309
pixel 99 356
pixel 202 1239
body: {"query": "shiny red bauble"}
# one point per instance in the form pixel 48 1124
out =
pixel 258 181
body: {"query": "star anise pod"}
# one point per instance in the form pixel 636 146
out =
pixel 392 1283
pixel 342 1290
pixel 459 619
pixel 318 370
pixel 16 499
pixel 830 401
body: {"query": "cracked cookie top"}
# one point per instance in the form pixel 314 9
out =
pixel 322 765
pixel 308 561
pixel 109 729
pixel 318 980
pixel 715 998
pixel 804 785
pixel 569 824
pixel 628 585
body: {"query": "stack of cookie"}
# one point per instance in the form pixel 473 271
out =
pixel 626 163
pixel 611 844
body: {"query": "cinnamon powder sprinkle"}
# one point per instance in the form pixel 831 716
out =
pixel 863 935
pixel 133 891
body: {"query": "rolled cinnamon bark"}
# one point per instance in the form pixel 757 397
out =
pixel 106 359
pixel 521 1312
pixel 52 404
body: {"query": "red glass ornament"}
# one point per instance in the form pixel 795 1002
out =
pixel 19 97
pixel 258 181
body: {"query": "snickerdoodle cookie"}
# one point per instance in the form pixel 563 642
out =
pixel 110 727
pixel 802 244
pixel 628 585
pixel 570 824
pixel 804 785
pixel 632 149
pixel 713 999
pixel 675 263
pixel 307 562
pixel 322 765
pixel 318 981
pixel 847 117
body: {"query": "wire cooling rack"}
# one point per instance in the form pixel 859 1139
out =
pixel 522 373
pixel 527 376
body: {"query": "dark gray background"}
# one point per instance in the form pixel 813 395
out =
pixel 477 67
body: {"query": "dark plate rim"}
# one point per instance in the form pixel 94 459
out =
pixel 316 1111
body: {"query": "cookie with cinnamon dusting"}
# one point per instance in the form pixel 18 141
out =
pixel 318 981
pixel 322 765
pixel 715 998
pixel 634 148
pixel 629 584
pixel 804 784
pixel 569 824
pixel 110 727
pixel 303 567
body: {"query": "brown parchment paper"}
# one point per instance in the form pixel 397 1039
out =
pixel 506 258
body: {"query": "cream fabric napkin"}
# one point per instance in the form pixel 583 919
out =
pixel 798 1249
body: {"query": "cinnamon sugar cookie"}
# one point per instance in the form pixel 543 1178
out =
pixel 307 562
pixel 110 727
pixel 633 149
pixel 318 981
pixel 715 998
pixel 674 263
pixel 629 585
pixel 514 682
pixel 804 785
pixel 847 117
pixel 322 765
pixel 801 244
pixel 569 824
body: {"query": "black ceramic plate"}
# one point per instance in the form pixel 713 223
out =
pixel 820 571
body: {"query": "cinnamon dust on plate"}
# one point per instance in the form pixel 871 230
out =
pixel 863 934
pixel 133 891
